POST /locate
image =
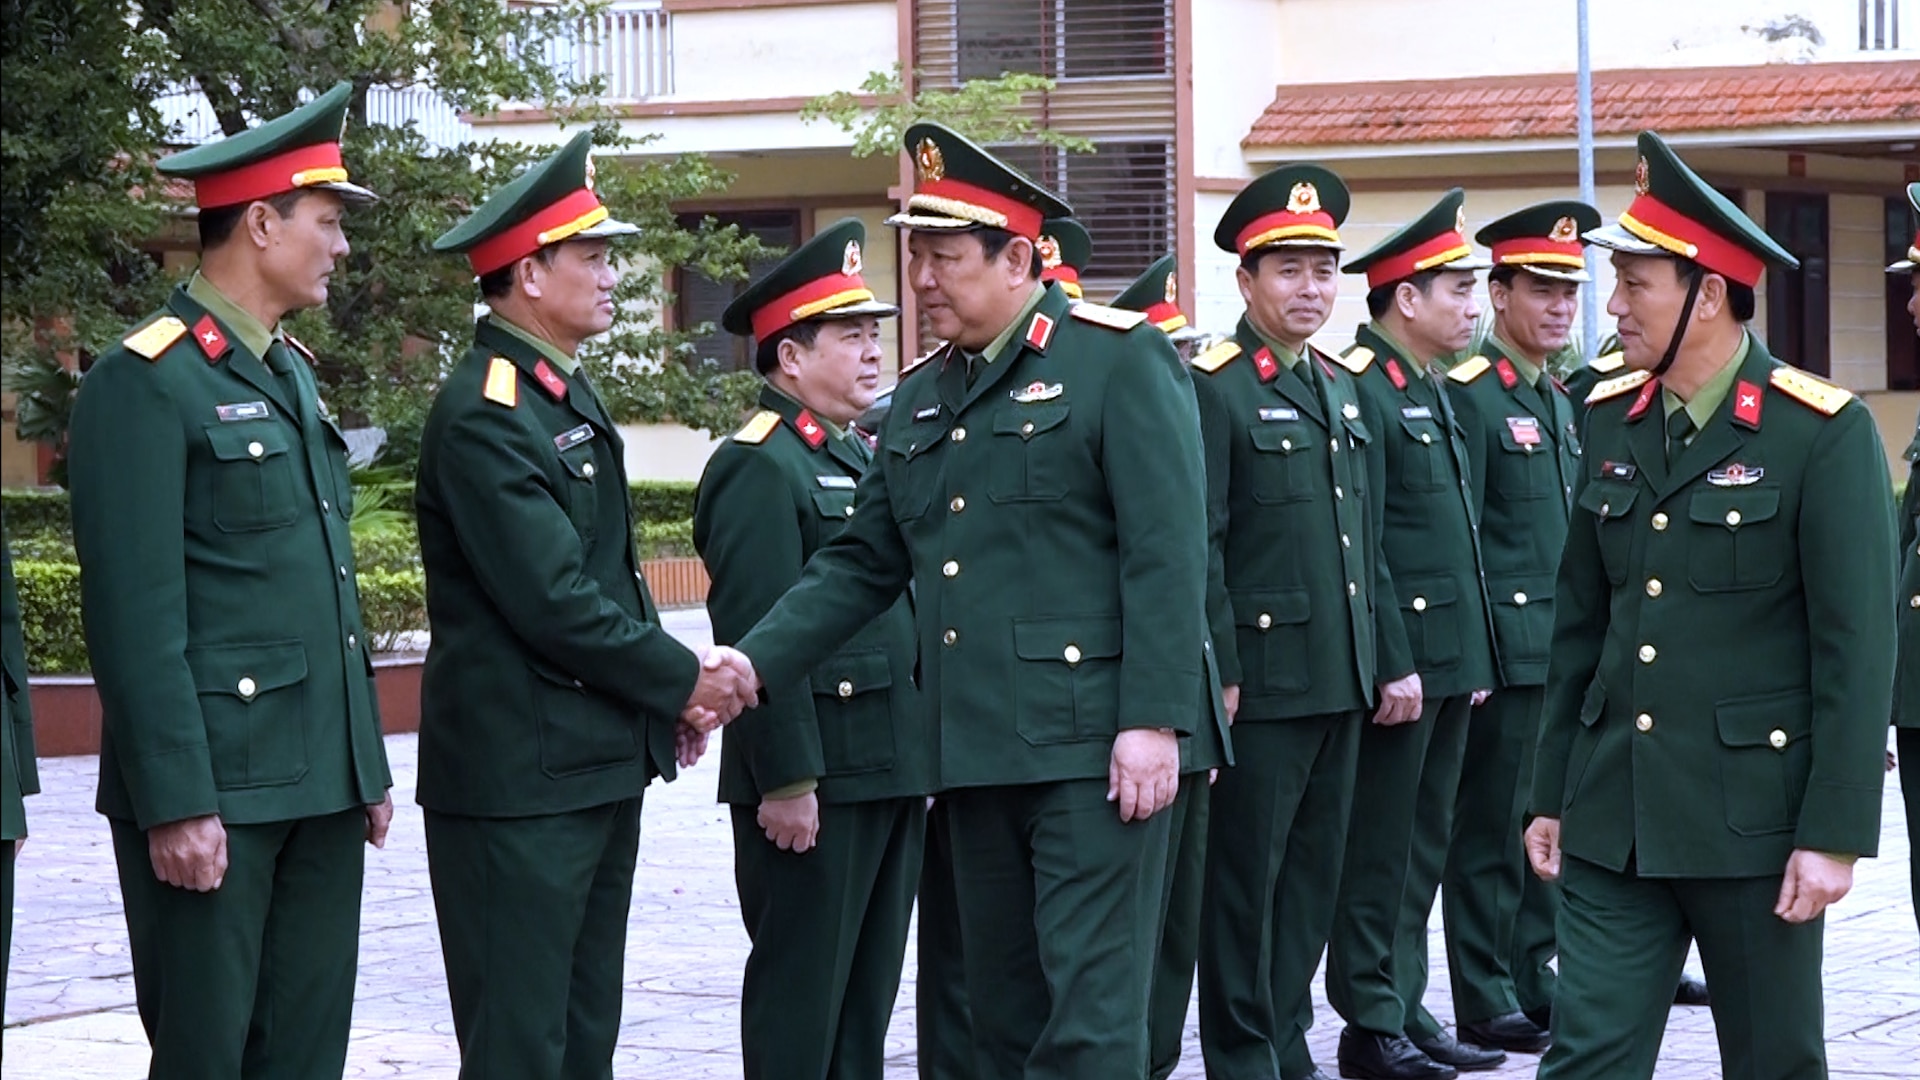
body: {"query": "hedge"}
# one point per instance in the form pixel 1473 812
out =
pixel 50 616
pixel 35 513
pixel 663 501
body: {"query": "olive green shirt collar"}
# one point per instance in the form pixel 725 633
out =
pixel 1018 324
pixel 1529 371
pixel 795 407
pixel 239 322
pixel 567 364
pixel 1707 401
pixel 1419 366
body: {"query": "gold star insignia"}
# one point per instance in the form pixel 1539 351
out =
pixel 1460 220
pixel 1640 183
pixel 850 263
pixel 1049 252
pixel 1304 199
pixel 929 161
pixel 1564 231
pixel 1173 288
pixel 589 172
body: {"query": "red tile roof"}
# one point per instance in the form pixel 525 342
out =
pixel 1624 102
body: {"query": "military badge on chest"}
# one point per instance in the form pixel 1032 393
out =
pixel 1525 431
pixel 1736 474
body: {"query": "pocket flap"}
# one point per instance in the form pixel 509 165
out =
pixel 1278 438
pixel 247 671
pixel 1594 704
pixel 836 504
pixel 1357 428
pixel 1607 499
pixel 247 442
pixel 847 674
pixel 1520 590
pixel 1027 421
pixel 1733 508
pixel 1067 638
pixel 1422 430
pixel 1423 593
pixel 1774 720
pixel 580 463
pixel 1262 608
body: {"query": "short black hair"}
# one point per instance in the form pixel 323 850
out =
pixel 766 356
pixel 1739 297
pixel 1503 276
pixel 217 223
pixel 495 284
pixel 1381 299
pixel 1250 262
pixel 993 241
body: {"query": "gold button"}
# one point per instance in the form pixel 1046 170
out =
pixel 1733 517
pixel 1286 444
pixel 1643 722
pixel 1915 601
pixel 1604 508
pixel 1353 589
pixel 950 568
pixel 1520 599
pixel 959 434
pixel 1333 445
pixel 1426 438
pixel 1777 739
pixel 849 509
pixel 958 504
pixel 1337 493
pixel 1653 586
pixel 1528 447
pixel 1647 653
pixel 352 643
pixel 1026 428
pixel 343 572
pixel 950 636
pixel 1419 603
pixel 325 507
pixel 1660 522
pixel 1071 653
pixel 255 449
pixel 846 688
pixel 1264 621
pixel 586 469
pixel 1346 541
pixel 247 686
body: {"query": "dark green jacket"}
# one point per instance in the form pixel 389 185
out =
pixel 1294 566
pixel 1525 452
pixel 550 685
pixel 1723 647
pixel 1431 599
pixel 1052 517
pixel 18 775
pixel 769 498
pixel 1906 673
pixel 210 507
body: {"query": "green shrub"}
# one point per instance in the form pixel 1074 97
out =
pixel 393 603
pixel 41 547
pixel 35 513
pixel 663 501
pixel 392 547
pixel 50 616
pixel 666 539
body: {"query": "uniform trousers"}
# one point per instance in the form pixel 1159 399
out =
pixel 943 1029
pixel 1172 992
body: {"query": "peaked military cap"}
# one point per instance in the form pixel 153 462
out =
pixel 1912 261
pixel 298 151
pixel 1292 206
pixel 1156 292
pixel 1543 239
pixel 957 185
pixel 1674 212
pixel 820 279
pixel 1065 249
pixel 551 201
pixel 1436 240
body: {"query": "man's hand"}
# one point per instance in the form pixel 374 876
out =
pixel 1231 695
pixel 689 744
pixel 727 687
pixel 1814 879
pixel 379 816
pixel 1543 848
pixel 792 824
pixel 190 854
pixel 1144 775
pixel 1480 697
pixel 1399 701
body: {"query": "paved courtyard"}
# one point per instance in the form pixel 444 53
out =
pixel 70 1014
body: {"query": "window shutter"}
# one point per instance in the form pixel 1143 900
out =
pixel 700 299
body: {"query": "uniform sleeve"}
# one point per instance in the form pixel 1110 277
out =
pixel 1847 570
pixel 744 527
pixel 127 470
pixel 526 556
pixel 1394 654
pixel 1217 449
pixel 1581 609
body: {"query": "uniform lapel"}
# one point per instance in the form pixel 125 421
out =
pixel 1284 383
pixel 574 397
pixel 1647 440
pixel 251 369
pixel 1036 333
pixel 1721 438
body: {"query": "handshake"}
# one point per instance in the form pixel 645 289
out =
pixel 727 687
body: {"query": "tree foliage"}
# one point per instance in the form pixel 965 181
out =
pixel 985 110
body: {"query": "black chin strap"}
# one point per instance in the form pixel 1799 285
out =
pixel 1680 329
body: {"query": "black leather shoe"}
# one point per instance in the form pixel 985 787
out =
pixel 1368 1055
pixel 1541 1015
pixel 1466 1057
pixel 1514 1032
pixel 1691 991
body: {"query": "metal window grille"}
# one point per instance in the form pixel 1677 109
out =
pixel 1122 193
pixel 700 299
pixel 1061 39
pixel 1879 25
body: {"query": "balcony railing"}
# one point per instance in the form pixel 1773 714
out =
pixel 193 122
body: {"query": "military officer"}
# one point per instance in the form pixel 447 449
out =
pixel 1295 543
pixel 1906 701
pixel 1065 249
pixel 1525 455
pixel 241 767
pixel 551 689
pixel 828 778
pixel 1434 620
pixel 1156 294
pixel 1711 759
pixel 1040 485
pixel 18 776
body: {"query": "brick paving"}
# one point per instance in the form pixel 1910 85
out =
pixel 70 1015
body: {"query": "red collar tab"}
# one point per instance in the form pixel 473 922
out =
pixel 207 335
pixel 1746 405
pixel 1040 331
pixel 1394 375
pixel 1509 378
pixel 290 171
pixel 809 429
pixel 1645 399
pixel 1664 227
pixel 551 380
pixel 1265 365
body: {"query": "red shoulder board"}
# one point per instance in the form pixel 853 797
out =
pixel 1040 331
pixel 551 380
pixel 1645 399
pixel 1265 365
pixel 1746 405
pixel 1509 378
pixel 1394 375
pixel 207 335
pixel 810 429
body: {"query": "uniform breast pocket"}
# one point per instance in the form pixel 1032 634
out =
pixel 1766 757
pixel 1282 463
pixel 1067 681
pixel 1423 464
pixel 834 506
pixel 853 704
pixel 912 469
pixel 1610 502
pixel 1736 540
pixel 582 505
pixel 1525 466
pixel 253 702
pixel 1026 463
pixel 254 476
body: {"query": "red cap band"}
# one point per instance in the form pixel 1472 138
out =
pixel 1061 273
pixel 814 298
pixel 1539 249
pixel 1021 219
pixel 1438 251
pixel 1287 225
pixel 1661 225
pixel 316 164
pixel 562 219
pixel 1167 316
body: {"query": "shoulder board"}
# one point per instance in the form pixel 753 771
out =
pixel 1469 369
pixel 919 362
pixel 1817 394
pixel 1110 317
pixel 155 338
pixel 1613 388
pixel 299 348
pixel 1610 363
pixel 503 383
pixel 1217 357
pixel 758 428
pixel 1357 360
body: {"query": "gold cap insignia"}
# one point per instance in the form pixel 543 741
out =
pixel 850 262
pixel 1564 231
pixel 589 172
pixel 1049 252
pixel 929 162
pixel 1173 288
pixel 1460 219
pixel 1305 199
pixel 1640 183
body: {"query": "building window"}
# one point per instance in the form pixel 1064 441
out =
pixel 1879 25
pixel 1122 193
pixel 700 299
pixel 1903 349
pixel 1797 300
pixel 1063 39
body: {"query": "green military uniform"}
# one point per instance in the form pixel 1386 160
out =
pixel 1435 621
pixel 1581 380
pixel 18 776
pixel 1155 293
pixel 829 926
pixel 1295 530
pixel 210 508
pixel 1723 653
pixel 1048 511
pixel 551 690
pixel 1906 692
pixel 1525 454
pixel 1065 250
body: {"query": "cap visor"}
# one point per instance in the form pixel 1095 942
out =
pixel 877 308
pixel 1555 273
pixel 1902 266
pixel 347 191
pixel 604 228
pixel 931 221
pixel 1300 242
pixel 1466 262
pixel 1617 238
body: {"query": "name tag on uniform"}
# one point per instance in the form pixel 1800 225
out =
pixel 844 482
pixel 1618 470
pixel 931 412
pixel 1416 412
pixel 1525 430
pixel 245 410
pixel 1276 413
pixel 573 437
